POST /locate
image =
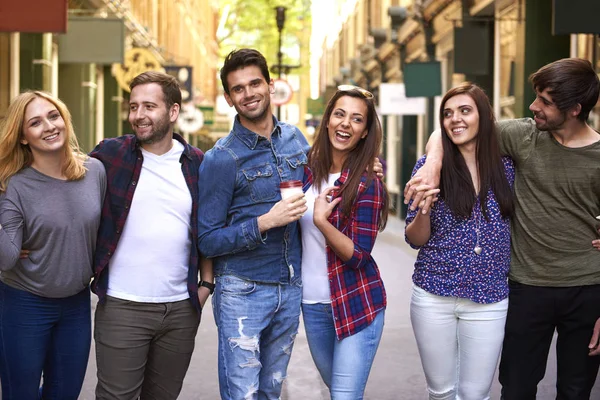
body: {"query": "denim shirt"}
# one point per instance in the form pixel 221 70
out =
pixel 239 181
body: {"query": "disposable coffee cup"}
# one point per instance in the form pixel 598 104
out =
pixel 290 188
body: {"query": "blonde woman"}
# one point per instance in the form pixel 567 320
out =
pixel 50 200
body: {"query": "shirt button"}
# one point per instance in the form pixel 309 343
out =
pixel 133 183
pixel 118 231
pixel 127 207
pixel 110 253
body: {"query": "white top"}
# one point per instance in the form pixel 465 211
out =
pixel 315 279
pixel 151 261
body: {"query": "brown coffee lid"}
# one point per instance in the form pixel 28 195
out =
pixel 290 184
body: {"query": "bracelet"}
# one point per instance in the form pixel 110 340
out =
pixel 208 285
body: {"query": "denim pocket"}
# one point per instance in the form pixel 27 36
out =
pixel 232 285
pixel 263 186
pixel 297 160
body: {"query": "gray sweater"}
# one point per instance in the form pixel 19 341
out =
pixel 57 221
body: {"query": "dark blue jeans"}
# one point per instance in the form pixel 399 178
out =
pixel 39 334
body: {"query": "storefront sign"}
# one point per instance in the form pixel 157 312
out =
pixel 33 16
pixel 92 40
pixel 137 60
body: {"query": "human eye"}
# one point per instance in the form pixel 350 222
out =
pixel 54 116
pixel 35 122
pixel 358 120
pixel 237 89
pixel 465 110
pixel 132 107
pixel 447 114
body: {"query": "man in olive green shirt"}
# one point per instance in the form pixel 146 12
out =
pixel 555 263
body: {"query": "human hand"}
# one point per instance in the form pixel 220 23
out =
pixel 324 207
pixel 420 188
pixel 594 345
pixel 283 212
pixel 596 242
pixel 24 254
pixel 378 168
pixel 430 197
pixel 203 293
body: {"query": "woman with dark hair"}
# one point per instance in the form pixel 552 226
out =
pixel 459 301
pixel 343 295
pixel 50 201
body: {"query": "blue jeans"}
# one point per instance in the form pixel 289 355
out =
pixel 39 334
pixel 257 324
pixel 343 364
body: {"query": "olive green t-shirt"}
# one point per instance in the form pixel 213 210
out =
pixel 557 197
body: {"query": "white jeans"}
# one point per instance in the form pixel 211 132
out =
pixel 459 342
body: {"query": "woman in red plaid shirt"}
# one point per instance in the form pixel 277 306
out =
pixel 343 296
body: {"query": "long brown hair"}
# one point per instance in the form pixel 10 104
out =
pixel 456 185
pixel 14 156
pixel 359 159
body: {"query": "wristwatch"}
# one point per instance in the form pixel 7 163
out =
pixel 208 285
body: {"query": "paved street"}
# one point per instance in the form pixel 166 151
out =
pixel 396 373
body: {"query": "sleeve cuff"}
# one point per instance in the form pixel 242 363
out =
pixel 252 234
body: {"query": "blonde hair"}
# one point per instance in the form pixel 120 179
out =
pixel 14 156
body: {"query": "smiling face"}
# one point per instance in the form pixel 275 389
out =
pixel 249 94
pixel 43 128
pixel 545 113
pixel 149 116
pixel 347 125
pixel 461 120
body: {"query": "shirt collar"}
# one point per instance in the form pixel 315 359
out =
pixel 250 138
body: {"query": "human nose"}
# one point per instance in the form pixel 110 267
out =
pixel 533 106
pixel 48 125
pixel 455 117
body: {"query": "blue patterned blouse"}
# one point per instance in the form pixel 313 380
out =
pixel 447 265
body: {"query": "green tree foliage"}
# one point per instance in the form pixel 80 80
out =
pixel 252 23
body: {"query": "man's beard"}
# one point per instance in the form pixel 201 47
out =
pixel 161 129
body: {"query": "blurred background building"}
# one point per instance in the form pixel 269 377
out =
pixel 422 48
pixel 87 51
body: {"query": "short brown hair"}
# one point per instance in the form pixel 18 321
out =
pixel 169 84
pixel 569 81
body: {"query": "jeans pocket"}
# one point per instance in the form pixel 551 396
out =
pixel 232 285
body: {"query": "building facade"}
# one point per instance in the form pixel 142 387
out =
pixel 494 43
pixel 82 61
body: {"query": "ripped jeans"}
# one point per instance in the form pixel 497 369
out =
pixel 257 324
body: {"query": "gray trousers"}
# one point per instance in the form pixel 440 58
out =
pixel 143 350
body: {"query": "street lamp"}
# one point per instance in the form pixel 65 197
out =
pixel 280 15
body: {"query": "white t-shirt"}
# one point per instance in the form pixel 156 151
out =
pixel 315 279
pixel 151 261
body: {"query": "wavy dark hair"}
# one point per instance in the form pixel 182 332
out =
pixel 360 159
pixel 456 185
pixel 242 58
pixel 569 81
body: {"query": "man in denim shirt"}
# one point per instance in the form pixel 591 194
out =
pixel 252 234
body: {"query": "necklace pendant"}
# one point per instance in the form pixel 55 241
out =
pixel 477 250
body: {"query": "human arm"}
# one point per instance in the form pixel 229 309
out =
pixel 594 346
pixel 216 188
pixel 11 233
pixel 206 275
pixel 364 224
pixel 282 213
pixel 427 177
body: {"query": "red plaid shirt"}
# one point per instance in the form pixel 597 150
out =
pixel 122 159
pixel 357 291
